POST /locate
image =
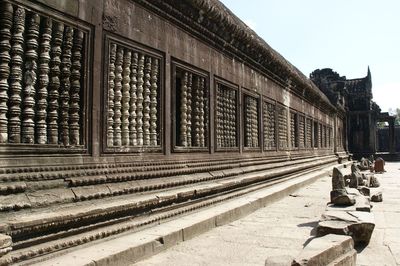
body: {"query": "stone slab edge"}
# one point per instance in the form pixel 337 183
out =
pixel 132 247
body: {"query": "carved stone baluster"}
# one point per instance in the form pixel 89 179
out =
pixel 265 126
pixel 232 104
pixel 219 119
pixel 146 102
pixel 118 96
pixel 224 118
pixel 6 11
pixel 255 123
pixel 189 110
pixel 44 59
pixel 196 125
pixel 75 88
pixel 133 99
pixel 111 85
pixel 203 110
pixel 125 96
pixel 247 122
pixel 32 36
pixel 228 118
pixel 65 85
pixel 153 103
pixel 54 84
pixel 139 111
pixel 17 52
pixel 183 110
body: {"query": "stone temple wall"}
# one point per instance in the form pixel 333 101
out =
pixel 112 110
pixel 94 79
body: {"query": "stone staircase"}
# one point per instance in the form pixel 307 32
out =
pixel 53 208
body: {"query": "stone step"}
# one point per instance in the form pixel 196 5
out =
pixel 166 179
pixel 133 246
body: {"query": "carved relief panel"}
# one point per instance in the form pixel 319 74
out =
pixel 251 126
pixel 269 123
pixel 42 79
pixel 302 132
pixel 293 130
pixel 226 116
pixel 133 98
pixel 282 127
pixel 191 106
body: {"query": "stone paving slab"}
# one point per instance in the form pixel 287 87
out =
pixel 283 227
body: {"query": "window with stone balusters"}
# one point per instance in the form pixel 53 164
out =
pixel 309 133
pixel 191 107
pixel 226 116
pixel 133 98
pixel 251 121
pixel 302 132
pixel 294 136
pixel 282 127
pixel 269 123
pixel 43 82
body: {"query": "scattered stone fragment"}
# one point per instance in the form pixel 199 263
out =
pixel 359 225
pixel 379 165
pixel 326 250
pixel 373 181
pixel 339 195
pixel 376 195
pixel 364 164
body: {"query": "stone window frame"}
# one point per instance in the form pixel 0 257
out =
pixel 309 145
pixel 266 100
pixel 176 63
pixel 130 44
pixel 248 93
pixel 315 138
pixel 236 88
pixel 86 110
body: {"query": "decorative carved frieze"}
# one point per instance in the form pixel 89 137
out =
pixel 41 78
pixel 283 127
pixel 269 123
pixel 192 109
pixel 226 116
pixel 133 98
pixel 251 122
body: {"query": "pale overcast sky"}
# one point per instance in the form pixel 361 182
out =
pixel 345 35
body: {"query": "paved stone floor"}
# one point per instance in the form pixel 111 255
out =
pixel 283 227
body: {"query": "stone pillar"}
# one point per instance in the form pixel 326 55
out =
pixel 392 148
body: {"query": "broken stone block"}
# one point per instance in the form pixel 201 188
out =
pixel 5 244
pixel 337 179
pixel 341 198
pixel 376 195
pixel 373 181
pixel 379 165
pixel 359 225
pixel 364 190
pixel 364 164
pixel 327 250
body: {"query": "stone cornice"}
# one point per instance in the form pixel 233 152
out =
pixel 212 21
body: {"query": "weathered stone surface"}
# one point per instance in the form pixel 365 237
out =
pixel 5 244
pixel 379 165
pixel 359 225
pixel 364 190
pixel 50 196
pixel 327 249
pixel 279 260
